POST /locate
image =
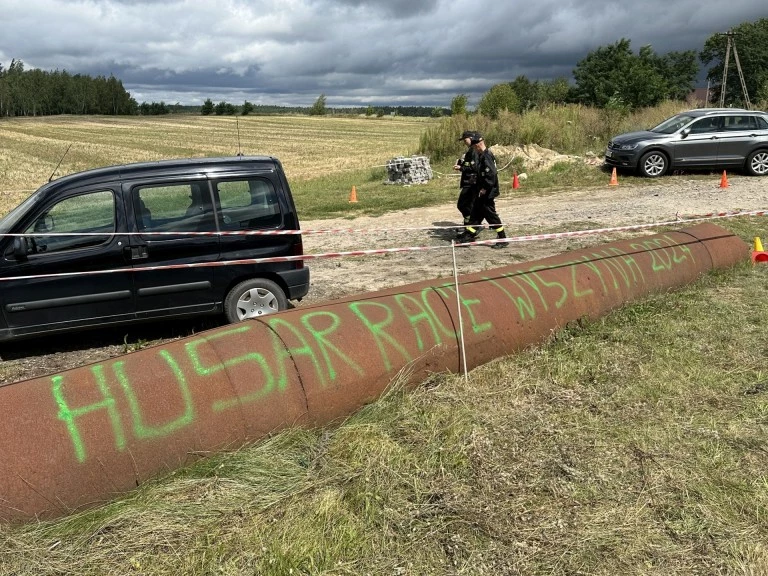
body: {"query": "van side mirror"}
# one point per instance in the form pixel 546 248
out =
pixel 685 132
pixel 20 248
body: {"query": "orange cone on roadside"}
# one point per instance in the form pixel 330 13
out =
pixel 614 179
pixel 758 254
pixel 353 195
pixel 724 181
pixel 515 181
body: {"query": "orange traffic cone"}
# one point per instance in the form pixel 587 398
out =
pixel 353 195
pixel 614 179
pixel 758 254
pixel 724 181
pixel 515 181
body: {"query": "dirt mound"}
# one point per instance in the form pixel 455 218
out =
pixel 535 157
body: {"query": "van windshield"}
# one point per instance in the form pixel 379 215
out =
pixel 8 221
pixel 672 125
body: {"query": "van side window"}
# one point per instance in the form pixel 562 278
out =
pixel 87 213
pixel 174 208
pixel 248 204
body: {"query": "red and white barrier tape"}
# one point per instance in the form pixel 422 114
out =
pixel 379 251
pixel 710 216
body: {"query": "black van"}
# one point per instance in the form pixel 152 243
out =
pixel 107 246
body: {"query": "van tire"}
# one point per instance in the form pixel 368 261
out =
pixel 254 298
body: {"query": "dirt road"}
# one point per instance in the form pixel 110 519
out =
pixel 608 206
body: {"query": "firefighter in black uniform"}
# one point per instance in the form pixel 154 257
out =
pixel 486 189
pixel 467 165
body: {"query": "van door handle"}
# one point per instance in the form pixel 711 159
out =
pixel 136 252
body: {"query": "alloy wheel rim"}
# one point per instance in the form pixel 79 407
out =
pixel 760 163
pixel 654 165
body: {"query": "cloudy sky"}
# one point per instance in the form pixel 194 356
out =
pixel 396 52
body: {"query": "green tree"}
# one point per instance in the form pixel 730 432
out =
pixel 247 108
pixel 752 45
pixel 207 108
pixel 437 112
pixel 681 69
pixel 499 97
pixel 369 111
pixel 459 105
pixel 761 99
pixel 646 82
pixel 552 92
pixel 602 73
pixel 526 92
pixel 318 108
pixel 613 72
pixel 220 109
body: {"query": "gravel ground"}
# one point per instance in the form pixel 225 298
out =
pixel 610 206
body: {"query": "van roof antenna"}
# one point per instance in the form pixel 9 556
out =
pixel 237 124
pixel 60 161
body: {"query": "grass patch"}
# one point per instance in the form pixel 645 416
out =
pixel 632 444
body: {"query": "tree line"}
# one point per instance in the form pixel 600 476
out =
pixel 38 93
pixel 319 108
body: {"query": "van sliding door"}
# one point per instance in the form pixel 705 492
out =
pixel 174 227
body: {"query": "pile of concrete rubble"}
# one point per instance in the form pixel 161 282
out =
pixel 413 170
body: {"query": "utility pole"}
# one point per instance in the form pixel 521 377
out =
pixel 731 43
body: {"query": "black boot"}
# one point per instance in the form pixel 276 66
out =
pixel 501 235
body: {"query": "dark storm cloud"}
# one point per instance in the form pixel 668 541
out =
pixel 394 8
pixel 354 51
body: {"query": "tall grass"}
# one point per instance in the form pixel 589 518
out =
pixel 571 128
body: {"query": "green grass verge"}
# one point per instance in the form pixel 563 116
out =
pixel 328 196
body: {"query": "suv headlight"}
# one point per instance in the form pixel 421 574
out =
pixel 628 146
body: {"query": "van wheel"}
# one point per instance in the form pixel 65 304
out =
pixel 253 298
pixel 757 163
pixel 653 164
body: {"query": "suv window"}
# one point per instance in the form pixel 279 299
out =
pixel 739 123
pixel 174 208
pixel 248 204
pixel 85 213
pixel 762 124
pixel 705 125
pixel 672 125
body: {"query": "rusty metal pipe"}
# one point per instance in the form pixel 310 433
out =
pixel 84 436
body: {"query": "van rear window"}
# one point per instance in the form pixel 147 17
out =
pixel 248 204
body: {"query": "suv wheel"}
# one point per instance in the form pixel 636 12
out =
pixel 253 298
pixel 757 163
pixel 653 164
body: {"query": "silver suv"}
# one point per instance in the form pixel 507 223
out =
pixel 698 139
